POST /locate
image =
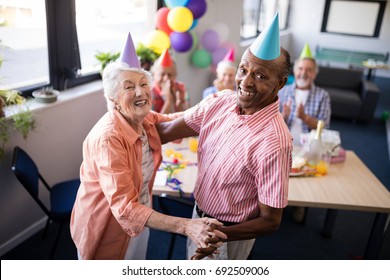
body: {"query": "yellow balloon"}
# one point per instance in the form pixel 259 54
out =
pixel 157 40
pixel 180 19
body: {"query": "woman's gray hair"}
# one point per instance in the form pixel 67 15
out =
pixel 111 84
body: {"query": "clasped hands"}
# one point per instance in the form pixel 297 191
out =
pixel 206 234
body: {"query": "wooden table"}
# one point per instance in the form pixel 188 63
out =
pixel 349 185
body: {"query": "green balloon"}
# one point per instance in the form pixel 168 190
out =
pixel 201 58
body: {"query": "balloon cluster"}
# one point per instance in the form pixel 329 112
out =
pixel 174 25
pixel 213 50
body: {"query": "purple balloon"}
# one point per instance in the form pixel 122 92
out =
pixel 210 40
pixel 181 41
pixel 218 54
pixel 197 7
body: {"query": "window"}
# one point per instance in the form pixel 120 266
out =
pixel 55 41
pixel 358 18
pixel 104 28
pixel 258 13
pixel 24 47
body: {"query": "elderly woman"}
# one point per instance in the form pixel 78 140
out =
pixel 121 154
pixel 226 71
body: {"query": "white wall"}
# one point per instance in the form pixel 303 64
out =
pixel 56 146
pixel 305 25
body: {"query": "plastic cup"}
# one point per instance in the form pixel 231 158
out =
pixel 193 145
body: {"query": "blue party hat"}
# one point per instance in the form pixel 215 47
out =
pixel 128 54
pixel 267 46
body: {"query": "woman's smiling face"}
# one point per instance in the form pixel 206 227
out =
pixel 134 94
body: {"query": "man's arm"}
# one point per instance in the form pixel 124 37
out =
pixel 176 129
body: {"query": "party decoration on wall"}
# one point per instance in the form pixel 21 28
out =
pixel 197 7
pixel 195 40
pixel 209 40
pixel 181 41
pixel 158 41
pixel 175 24
pixel 175 3
pixel 218 54
pixel 180 19
pixel 161 20
pixel 201 58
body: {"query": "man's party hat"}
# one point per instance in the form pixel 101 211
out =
pixel 306 52
pixel 267 45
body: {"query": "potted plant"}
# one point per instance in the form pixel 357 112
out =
pixel 105 58
pixel 23 121
pixel 146 56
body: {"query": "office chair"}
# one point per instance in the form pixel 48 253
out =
pixel 175 206
pixel 62 195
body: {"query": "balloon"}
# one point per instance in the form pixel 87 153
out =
pixel 201 58
pixel 195 40
pixel 194 24
pixel 218 54
pixel 197 7
pixel 157 40
pixel 181 41
pixel 222 30
pixel 161 20
pixel 209 40
pixel 180 19
pixel 175 3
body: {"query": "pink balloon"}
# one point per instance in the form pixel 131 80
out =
pixel 209 40
pixel 161 20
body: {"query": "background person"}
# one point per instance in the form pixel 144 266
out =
pixel 112 213
pixel 303 103
pixel 226 71
pixel 169 95
pixel 244 154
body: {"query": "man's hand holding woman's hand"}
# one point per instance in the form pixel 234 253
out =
pixel 204 232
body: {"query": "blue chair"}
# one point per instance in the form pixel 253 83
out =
pixel 62 195
pixel 175 206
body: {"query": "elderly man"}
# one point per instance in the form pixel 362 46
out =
pixel 302 103
pixel 244 153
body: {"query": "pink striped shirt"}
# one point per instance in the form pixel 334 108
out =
pixel 242 159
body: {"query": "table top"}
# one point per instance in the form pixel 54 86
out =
pixel 348 56
pixel 349 185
